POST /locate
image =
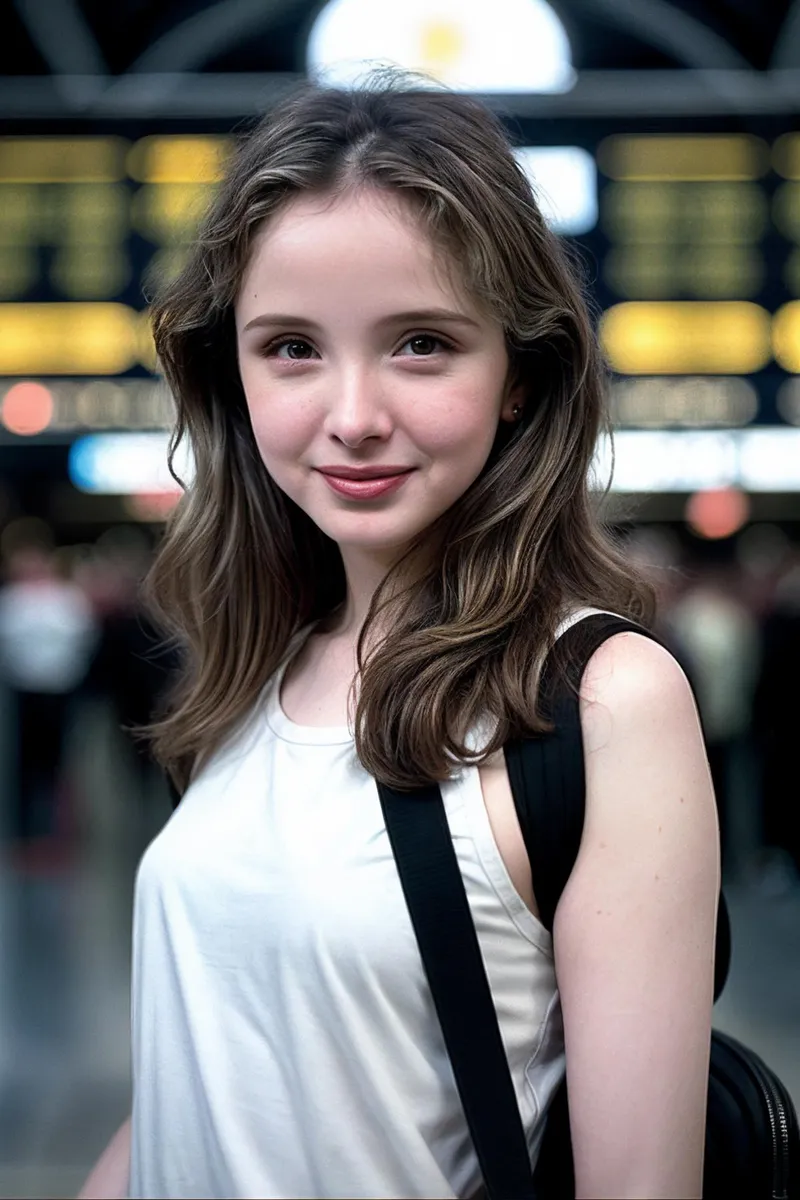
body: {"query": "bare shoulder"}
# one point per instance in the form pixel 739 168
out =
pixel 633 685
pixel 629 663
pixel 646 763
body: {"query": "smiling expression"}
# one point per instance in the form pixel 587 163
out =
pixel 357 349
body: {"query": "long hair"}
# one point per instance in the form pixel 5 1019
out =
pixel 242 568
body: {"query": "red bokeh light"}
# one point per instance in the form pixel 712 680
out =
pixel 152 506
pixel 27 408
pixel 717 512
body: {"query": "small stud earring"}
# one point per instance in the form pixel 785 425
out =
pixel 516 412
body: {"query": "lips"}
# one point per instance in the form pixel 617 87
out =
pixel 354 473
pixel 366 489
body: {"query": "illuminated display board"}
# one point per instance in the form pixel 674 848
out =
pixel 758 460
pixel 692 246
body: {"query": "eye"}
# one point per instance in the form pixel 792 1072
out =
pixel 297 349
pixel 424 345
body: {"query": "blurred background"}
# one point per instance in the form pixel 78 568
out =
pixel 660 136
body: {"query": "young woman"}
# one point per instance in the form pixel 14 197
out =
pixel 390 383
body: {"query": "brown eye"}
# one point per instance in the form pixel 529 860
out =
pixel 424 344
pixel 296 349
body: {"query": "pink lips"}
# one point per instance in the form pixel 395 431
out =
pixel 366 489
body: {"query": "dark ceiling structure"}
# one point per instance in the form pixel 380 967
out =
pixel 146 56
pixel 95 37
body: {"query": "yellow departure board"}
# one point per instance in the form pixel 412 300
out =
pixel 696 246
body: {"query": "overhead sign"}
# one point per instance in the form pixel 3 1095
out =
pixel 505 46
pixel 755 460
pixel 690 240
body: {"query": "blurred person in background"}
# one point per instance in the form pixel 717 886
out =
pixel 717 640
pixel 776 724
pixel 133 663
pixel 48 634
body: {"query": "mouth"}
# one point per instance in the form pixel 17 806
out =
pixel 366 487
pixel 359 477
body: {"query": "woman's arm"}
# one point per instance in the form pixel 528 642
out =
pixel 634 932
pixel 110 1178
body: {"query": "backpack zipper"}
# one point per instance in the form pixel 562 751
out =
pixel 778 1119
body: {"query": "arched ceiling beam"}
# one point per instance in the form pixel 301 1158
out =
pixel 60 33
pixel 226 24
pixel 209 33
pixel 669 29
pixel 786 52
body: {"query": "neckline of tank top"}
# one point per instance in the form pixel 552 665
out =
pixel 339 735
pixel 288 730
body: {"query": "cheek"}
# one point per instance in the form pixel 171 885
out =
pixel 280 427
pixel 464 427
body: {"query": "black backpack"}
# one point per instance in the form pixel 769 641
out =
pixel 752 1138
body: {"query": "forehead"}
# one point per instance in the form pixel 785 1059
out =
pixel 365 239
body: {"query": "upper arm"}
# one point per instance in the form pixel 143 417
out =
pixel 634 931
pixel 110 1177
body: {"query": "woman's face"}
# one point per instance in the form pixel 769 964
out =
pixel 355 350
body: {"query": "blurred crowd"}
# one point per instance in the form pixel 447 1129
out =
pixel 730 612
pixel 74 630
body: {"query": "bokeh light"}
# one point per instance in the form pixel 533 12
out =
pixel 150 506
pixel 717 512
pixel 27 408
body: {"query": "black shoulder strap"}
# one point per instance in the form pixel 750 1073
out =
pixel 548 779
pixel 437 903
pixel 547 774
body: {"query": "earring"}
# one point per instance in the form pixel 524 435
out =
pixel 516 412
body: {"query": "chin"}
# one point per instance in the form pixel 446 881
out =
pixel 372 540
pixel 371 530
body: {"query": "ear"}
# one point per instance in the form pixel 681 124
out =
pixel 515 395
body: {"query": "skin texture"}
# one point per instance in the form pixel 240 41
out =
pixel 634 931
pixel 355 390
pixel 110 1176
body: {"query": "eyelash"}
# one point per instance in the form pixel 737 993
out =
pixel 289 339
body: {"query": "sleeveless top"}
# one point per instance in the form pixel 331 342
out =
pixel 284 1039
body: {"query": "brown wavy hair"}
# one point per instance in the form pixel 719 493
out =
pixel 241 567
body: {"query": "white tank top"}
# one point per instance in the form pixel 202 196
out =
pixel 284 1039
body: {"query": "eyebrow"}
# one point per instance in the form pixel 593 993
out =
pixel 418 316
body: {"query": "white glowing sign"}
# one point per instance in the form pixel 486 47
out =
pixel 471 45
pixel 757 460
pixel 124 464
pixel 564 180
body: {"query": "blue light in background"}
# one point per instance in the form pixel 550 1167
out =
pixel 82 462
pixel 124 464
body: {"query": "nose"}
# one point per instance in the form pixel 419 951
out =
pixel 356 408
